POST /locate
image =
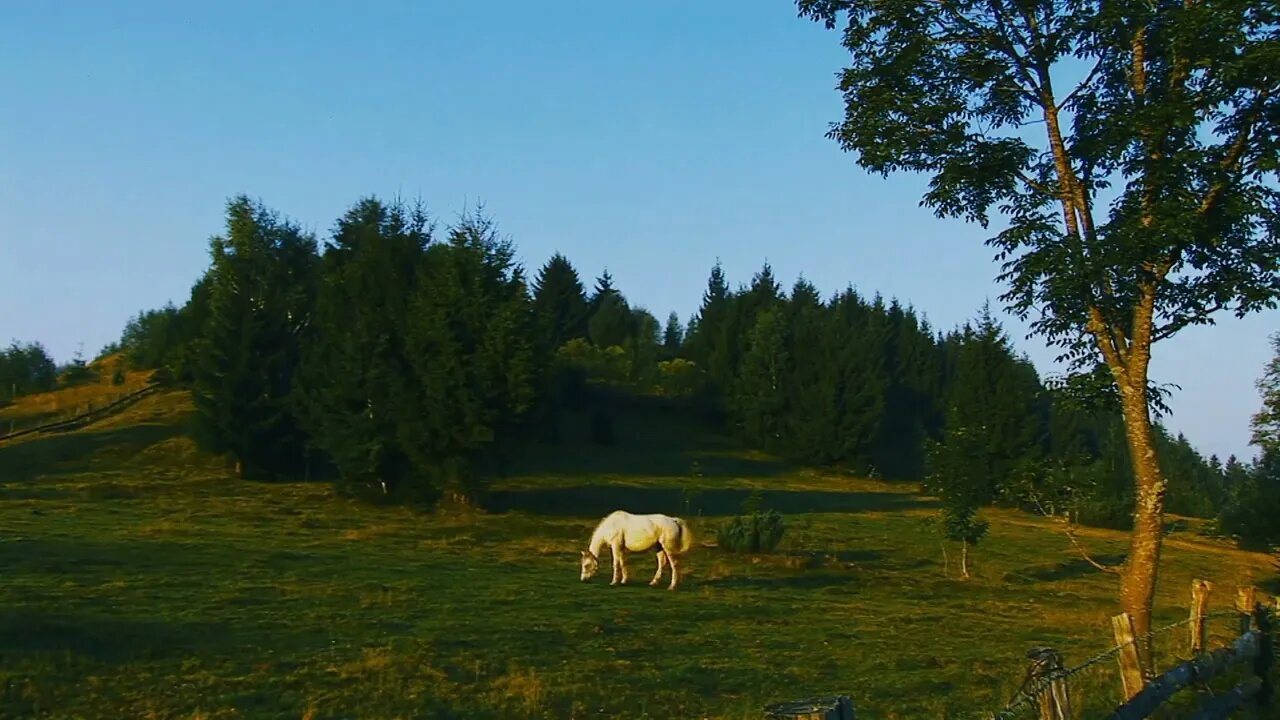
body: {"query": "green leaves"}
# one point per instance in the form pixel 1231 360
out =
pixel 1131 147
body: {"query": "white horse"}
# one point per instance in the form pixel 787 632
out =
pixel 624 532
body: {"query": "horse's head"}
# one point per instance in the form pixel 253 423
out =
pixel 589 565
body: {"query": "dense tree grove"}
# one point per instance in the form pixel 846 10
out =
pixel 1251 506
pixel 409 363
pixel 24 369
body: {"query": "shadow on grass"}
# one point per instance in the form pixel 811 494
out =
pixel 844 556
pixel 1067 570
pixel 106 638
pixel 75 559
pixel 647 440
pixel 805 581
pixel 76 452
pixel 643 460
pixel 592 501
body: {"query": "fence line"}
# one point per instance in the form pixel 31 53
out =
pixel 1045 683
pixel 1037 684
pixel 86 417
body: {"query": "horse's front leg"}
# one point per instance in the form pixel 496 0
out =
pixel 622 563
pixel 619 575
pixel 662 561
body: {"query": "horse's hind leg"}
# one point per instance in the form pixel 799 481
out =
pixel 662 561
pixel 675 574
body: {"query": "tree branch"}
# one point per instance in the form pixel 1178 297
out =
pixel 1037 185
pixel 1235 152
pixel 1066 527
pixel 1111 569
pixel 1112 352
pixel 1173 326
pixel 1066 101
pixel 1002 44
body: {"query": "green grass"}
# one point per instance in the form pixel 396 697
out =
pixel 141 581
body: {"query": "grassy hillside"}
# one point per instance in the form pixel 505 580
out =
pixel 141 581
pixel 48 407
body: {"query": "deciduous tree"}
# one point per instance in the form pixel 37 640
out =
pixel 1132 148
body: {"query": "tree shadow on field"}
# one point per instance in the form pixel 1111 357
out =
pixel 49 618
pixel 647 457
pixel 805 581
pixel 69 559
pixel 74 452
pixel 599 500
pixel 106 638
pixel 647 438
pixel 1067 570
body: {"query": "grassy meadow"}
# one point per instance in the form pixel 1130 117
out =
pixel 141 581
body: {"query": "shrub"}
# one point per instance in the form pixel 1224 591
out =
pixel 754 533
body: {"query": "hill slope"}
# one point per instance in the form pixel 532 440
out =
pixel 141 581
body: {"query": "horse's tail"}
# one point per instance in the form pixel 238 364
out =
pixel 684 536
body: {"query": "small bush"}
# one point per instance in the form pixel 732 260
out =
pixel 754 533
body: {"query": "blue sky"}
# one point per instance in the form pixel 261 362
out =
pixel 648 138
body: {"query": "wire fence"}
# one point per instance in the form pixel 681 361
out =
pixel 1095 686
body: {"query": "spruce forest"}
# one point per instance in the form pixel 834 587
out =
pixel 410 364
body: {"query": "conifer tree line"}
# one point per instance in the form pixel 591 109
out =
pixel 411 362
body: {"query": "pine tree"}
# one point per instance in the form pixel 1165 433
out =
pixel 709 340
pixel 261 292
pixel 188 326
pixel 612 322
pixel 856 373
pixel 1253 514
pixel 560 303
pixel 748 306
pixel 471 356
pixel 672 336
pixel 356 370
pixel 643 349
pixel 994 431
pixel 996 397
pixel 912 409
pixel 604 288
pixel 762 393
pixel 811 385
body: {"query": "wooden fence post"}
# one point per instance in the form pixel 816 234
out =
pixel 1246 600
pixel 1055 700
pixel 1200 590
pixel 1265 660
pixel 837 707
pixel 1130 668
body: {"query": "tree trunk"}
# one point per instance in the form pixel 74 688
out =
pixel 1138 581
pixel 964 559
